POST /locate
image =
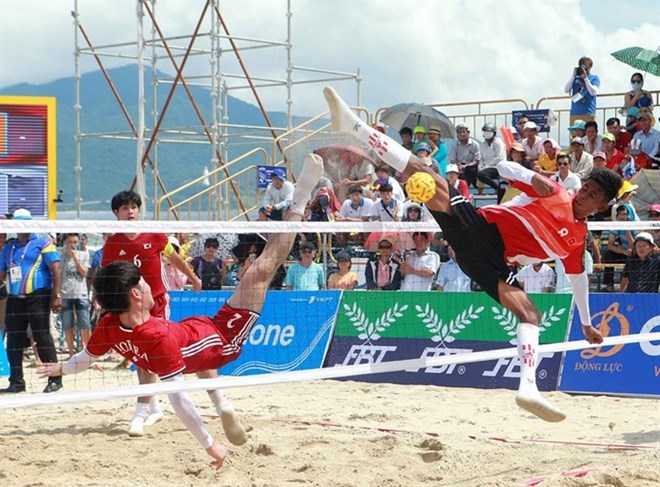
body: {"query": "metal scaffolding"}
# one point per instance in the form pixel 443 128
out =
pixel 209 39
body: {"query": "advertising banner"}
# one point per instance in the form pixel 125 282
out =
pixel 264 174
pixel 632 369
pixel 293 332
pixel 388 326
pixel 539 117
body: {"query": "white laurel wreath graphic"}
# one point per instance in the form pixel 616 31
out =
pixel 444 333
pixel 509 322
pixel 371 331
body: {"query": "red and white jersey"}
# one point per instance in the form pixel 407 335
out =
pixel 539 228
pixel 144 251
pixel 167 348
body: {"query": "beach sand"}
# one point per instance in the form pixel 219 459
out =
pixel 336 433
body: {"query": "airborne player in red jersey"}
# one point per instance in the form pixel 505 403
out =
pixel 195 344
pixel 544 223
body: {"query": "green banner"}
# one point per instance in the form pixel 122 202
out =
pixel 444 317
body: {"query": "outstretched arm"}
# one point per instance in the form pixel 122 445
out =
pixel 79 362
pixel 515 172
pixel 580 286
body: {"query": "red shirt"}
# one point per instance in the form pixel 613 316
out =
pixel 535 229
pixel 623 139
pixel 167 348
pixel 615 160
pixel 145 252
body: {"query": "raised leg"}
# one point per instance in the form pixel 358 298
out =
pixel 231 422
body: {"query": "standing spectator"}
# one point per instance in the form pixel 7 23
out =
pixel 424 152
pixel 439 147
pixel 622 138
pixel 419 137
pixel 648 140
pixel 30 265
pixel 520 127
pixel 406 138
pixel 565 177
pixel 305 275
pixel 537 278
pixel 492 151
pixel 465 154
pixel 386 208
pixel 547 162
pixel 632 120
pixel 592 141
pixel 344 278
pixel 95 263
pixel 451 278
pixel 641 274
pixel 420 265
pixel 210 269
pixel 637 96
pixel 613 156
pixel 75 298
pixel 278 196
pixel 619 248
pixel 459 185
pixel 532 143
pixel 654 216
pixel 583 87
pixel 382 272
pixel 3 293
pixel 581 161
pixel 176 280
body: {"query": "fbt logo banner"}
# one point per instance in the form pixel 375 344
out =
pixel 622 369
pixel 387 326
pixel 293 332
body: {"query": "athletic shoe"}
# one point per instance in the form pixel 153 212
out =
pixel 136 428
pixel 231 424
pixel 153 418
pixel 531 400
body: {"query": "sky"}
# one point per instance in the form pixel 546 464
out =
pixel 423 50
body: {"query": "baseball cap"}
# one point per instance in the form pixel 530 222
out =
pixel 279 173
pixel 609 136
pixel 22 214
pixel 654 208
pixel 577 125
pixel 174 241
pixel 645 236
pixel 633 112
pixel 530 126
pixel 452 168
pixel 424 146
pixel 600 154
pixel 577 140
pixel 419 129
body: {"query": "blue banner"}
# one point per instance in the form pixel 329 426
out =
pixel 264 175
pixel 4 364
pixel 293 332
pixel 632 369
pixel 492 374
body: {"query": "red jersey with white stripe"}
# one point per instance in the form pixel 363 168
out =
pixel 539 228
pixel 167 348
pixel 145 252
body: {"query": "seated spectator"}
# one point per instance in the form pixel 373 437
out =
pixel 420 265
pixel 613 156
pixel 175 278
pixel 619 248
pixel 383 175
pixel 439 148
pixel 249 247
pixel 305 275
pixel 416 212
pixel 517 154
pixel 356 208
pixel 344 278
pixel 592 141
pixel 632 120
pixel 565 177
pixel 278 196
pixel 641 274
pixel 210 269
pixel 382 271
pixel 406 138
pixel 577 129
pixel 600 160
pixel 648 141
pixel 581 161
pixel 465 155
pixel 451 278
pixel 622 138
pixel 459 185
pixel 361 172
pixel 519 134
pixel 547 163
pixel 537 278
pixel 637 96
pixel 424 153
pixel 324 206
pixel 419 137
pixel 624 198
pixel 492 151
pixel 532 144
pixel 654 216
pixel 386 208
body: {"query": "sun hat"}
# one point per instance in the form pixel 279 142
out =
pixel 452 168
pixel 22 214
pixel 577 140
pixel 517 146
pixel 633 112
pixel 174 241
pixel 626 187
pixel 434 129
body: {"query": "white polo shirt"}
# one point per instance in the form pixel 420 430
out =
pixel 535 282
pixel 428 260
pixel 361 211
pixel 387 215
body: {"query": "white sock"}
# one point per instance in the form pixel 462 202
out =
pixel 310 174
pixel 345 121
pixel 220 401
pixel 528 353
pixel 154 405
pixel 141 410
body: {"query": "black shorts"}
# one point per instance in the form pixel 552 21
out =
pixel 478 244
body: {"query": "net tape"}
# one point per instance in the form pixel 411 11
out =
pixel 306 375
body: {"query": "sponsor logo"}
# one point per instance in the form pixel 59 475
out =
pixel 122 252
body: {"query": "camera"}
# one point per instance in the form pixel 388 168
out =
pixel 580 70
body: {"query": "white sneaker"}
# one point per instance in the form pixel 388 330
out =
pixel 531 400
pixel 153 418
pixel 231 424
pixel 136 427
pixel 343 119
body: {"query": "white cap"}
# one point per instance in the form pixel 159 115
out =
pixel 577 140
pixel 22 214
pixel 174 241
pixel 645 236
pixel 452 168
pixel 530 125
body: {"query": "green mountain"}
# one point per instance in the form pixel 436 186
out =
pixel 109 166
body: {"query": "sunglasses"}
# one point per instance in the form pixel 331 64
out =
pixel 384 247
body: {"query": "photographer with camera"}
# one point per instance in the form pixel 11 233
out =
pixel 583 88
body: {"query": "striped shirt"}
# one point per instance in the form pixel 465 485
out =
pixel 33 258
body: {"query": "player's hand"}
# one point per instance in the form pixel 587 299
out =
pixel 542 185
pixel 49 370
pixel 197 284
pixel 218 452
pixel 592 334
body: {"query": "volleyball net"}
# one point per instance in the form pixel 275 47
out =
pixel 422 329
